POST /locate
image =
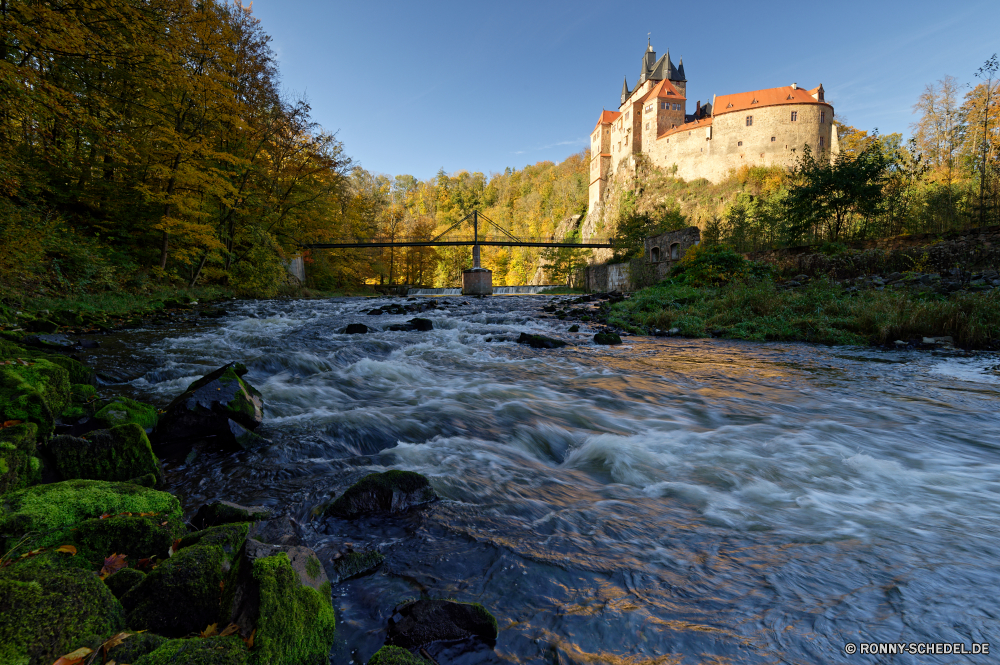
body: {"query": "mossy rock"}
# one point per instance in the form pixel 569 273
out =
pixel 123 581
pixel 390 655
pixel 197 651
pixel 226 512
pixel 44 509
pixel 123 410
pixel 393 491
pixel 36 392
pixel 295 623
pixel 136 645
pixel 540 341
pixel 355 564
pixel 230 537
pixel 49 611
pixel 116 454
pixel 23 436
pixel 607 338
pixel 181 595
pixel 135 536
pixel 78 372
pixel 421 622
pixel 17 469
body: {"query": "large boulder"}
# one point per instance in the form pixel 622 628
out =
pixel 117 454
pixel 220 406
pixel 47 611
pixel 136 646
pixel 45 512
pixel 422 622
pixel 226 512
pixel 390 492
pixel 540 341
pixel 34 391
pixel 136 536
pixel 281 597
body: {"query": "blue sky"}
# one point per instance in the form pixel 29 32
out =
pixel 413 87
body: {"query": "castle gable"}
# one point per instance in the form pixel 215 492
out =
pixel 607 117
pixel 663 90
pixel 741 101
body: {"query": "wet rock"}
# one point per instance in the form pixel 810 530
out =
pixel 116 454
pixel 376 312
pixel 390 655
pixel 607 338
pixel 281 595
pixel 213 313
pixel 226 512
pixel 48 611
pixel 181 595
pixel 390 492
pixel 422 622
pixel 123 581
pixel 220 406
pixel 136 536
pixel 278 531
pixel 422 325
pixel 574 328
pixel 356 329
pixel 230 537
pixel 52 342
pixel 356 564
pixel 939 341
pixel 540 341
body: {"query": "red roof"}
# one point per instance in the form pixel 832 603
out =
pixel 663 90
pixel 607 117
pixel 742 101
pixel 687 126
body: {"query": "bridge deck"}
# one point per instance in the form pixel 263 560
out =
pixel 459 243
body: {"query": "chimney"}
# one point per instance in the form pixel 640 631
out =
pixel 795 86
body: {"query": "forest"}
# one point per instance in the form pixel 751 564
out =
pixel 146 144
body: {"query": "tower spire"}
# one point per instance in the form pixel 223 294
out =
pixel 624 89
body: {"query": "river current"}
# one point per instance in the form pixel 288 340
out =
pixel 662 501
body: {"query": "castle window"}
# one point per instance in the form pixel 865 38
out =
pixel 654 254
pixel 772 139
pixel 675 251
pixel 795 116
pixel 821 141
pixel 822 116
pixel 749 120
pixel 647 125
pixel 739 143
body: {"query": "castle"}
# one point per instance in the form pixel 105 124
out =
pixel 760 128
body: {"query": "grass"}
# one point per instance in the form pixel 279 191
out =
pixel 117 303
pixel 821 312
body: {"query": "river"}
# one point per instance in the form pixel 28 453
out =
pixel 662 501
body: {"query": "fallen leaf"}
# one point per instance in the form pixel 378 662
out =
pixel 249 640
pixel 115 641
pixel 211 630
pixel 75 657
pixel 33 552
pixel 67 549
pixel 163 523
pixel 176 545
pixel 231 629
pixel 11 423
pixel 113 564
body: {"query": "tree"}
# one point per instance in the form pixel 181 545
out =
pixel 987 141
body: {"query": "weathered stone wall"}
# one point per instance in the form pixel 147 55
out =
pixel 665 250
pixel 710 152
pixel 645 271
pixel 967 250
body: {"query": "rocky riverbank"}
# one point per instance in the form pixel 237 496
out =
pixel 100 564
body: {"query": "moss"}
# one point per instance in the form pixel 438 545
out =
pixel 16 468
pixel 44 509
pixel 607 338
pixel 123 581
pixel 136 537
pixel 136 646
pixel 36 392
pixel 24 436
pixel 48 611
pixel 376 491
pixel 229 537
pixel 197 651
pixel 390 655
pixel 226 512
pixel 118 454
pixel 357 563
pixel 313 568
pixel 486 616
pixel 78 372
pixel 181 595
pixel 82 392
pixel 124 410
pixel 296 624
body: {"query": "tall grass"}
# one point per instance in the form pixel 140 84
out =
pixel 821 312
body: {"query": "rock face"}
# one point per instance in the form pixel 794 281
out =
pixel 281 596
pixel 390 492
pixel 220 406
pixel 118 454
pixel 540 341
pixel 421 622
